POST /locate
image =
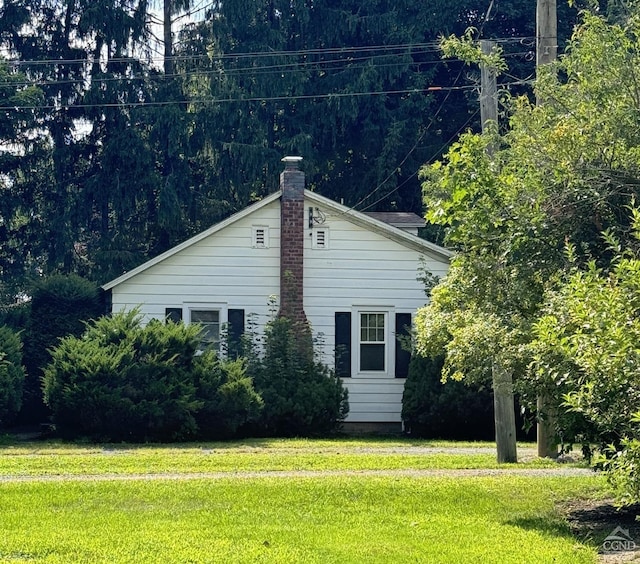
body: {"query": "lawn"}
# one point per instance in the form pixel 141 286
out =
pixel 283 501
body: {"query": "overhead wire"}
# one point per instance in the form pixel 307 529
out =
pixel 384 51
pixel 279 69
pixel 430 46
pixel 151 103
pixel 330 65
pixel 434 116
pixel 410 152
pixel 435 155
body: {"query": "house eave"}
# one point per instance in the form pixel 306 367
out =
pixel 358 218
pixel 386 230
pixel 193 240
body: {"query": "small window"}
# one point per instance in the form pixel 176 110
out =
pixel 260 236
pixel 320 238
pixel 373 342
pixel 210 321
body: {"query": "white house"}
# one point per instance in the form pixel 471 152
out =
pixel 354 277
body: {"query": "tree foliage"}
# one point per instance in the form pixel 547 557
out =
pixel 11 375
pixel 452 410
pixel 119 159
pixel 60 306
pixel 586 345
pixel 586 349
pixel 564 172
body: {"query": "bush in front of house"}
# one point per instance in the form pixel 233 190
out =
pixel 454 410
pixel 11 375
pixel 228 397
pixel 125 381
pixel 301 395
pixel 60 305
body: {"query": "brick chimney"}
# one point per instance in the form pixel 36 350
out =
pixel 292 240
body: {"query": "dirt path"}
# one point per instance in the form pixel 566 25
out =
pixel 411 473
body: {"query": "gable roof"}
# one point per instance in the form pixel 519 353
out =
pixel 358 218
pixel 381 227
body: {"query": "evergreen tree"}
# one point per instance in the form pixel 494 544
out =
pixel 11 375
pixel 124 159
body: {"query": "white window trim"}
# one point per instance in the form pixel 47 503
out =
pixel 254 236
pixel 220 307
pixel 389 335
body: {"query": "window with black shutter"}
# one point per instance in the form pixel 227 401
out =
pixel 235 330
pixel 343 343
pixel 403 336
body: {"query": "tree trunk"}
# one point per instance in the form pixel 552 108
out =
pixel 505 418
pixel 168 40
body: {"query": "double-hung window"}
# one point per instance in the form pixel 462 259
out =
pixel 373 341
pixel 210 319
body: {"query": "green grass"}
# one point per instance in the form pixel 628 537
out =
pixel 257 455
pixel 314 519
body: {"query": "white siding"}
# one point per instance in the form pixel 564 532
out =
pixel 359 268
pixel 373 400
pixel 222 268
pixel 363 268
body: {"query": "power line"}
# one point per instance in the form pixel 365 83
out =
pixel 324 66
pixel 426 47
pixel 415 145
pixel 434 46
pixel 434 156
pixel 144 103
pixel 330 66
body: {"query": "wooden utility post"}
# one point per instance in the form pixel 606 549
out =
pixel 488 88
pixel 546 32
pixel 546 52
pixel 503 404
pixel 488 91
pixel 504 414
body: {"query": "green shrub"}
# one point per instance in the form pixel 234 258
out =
pixel 454 410
pixel 60 306
pixel 229 399
pixel 301 395
pixel 125 381
pixel 621 465
pixel 11 375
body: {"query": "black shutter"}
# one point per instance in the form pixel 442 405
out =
pixel 173 314
pixel 235 330
pixel 403 332
pixel 343 344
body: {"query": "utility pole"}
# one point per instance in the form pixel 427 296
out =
pixel 502 378
pixel 546 32
pixel 546 52
pixel 488 90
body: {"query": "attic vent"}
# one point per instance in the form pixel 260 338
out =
pixel 260 237
pixel 320 238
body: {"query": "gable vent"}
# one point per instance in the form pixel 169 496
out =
pixel 260 237
pixel 321 239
